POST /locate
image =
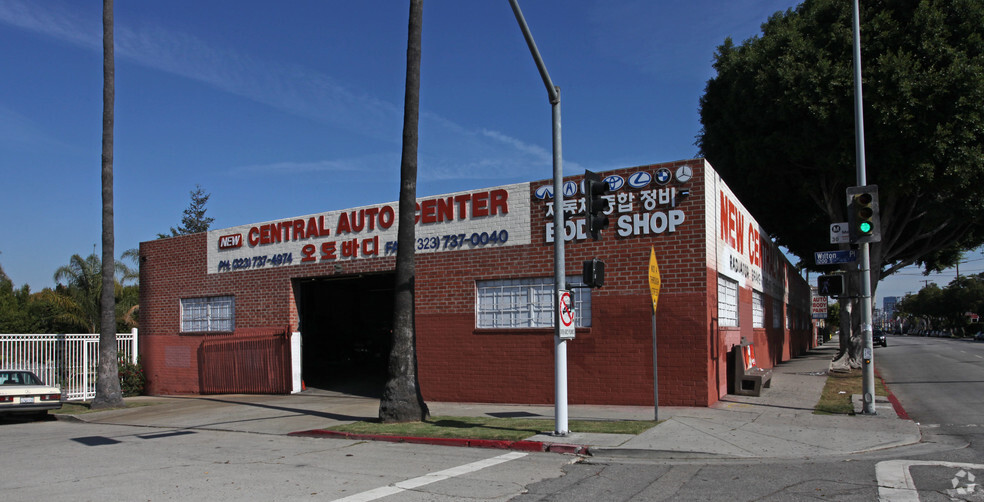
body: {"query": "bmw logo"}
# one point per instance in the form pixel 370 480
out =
pixel 663 176
pixel 640 179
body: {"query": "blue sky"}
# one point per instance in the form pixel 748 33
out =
pixel 291 108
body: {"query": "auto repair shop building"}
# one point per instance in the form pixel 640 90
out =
pixel 228 310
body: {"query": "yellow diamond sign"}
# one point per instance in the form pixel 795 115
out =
pixel 654 280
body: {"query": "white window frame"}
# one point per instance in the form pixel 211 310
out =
pixel 728 312
pixel 526 302
pixel 208 314
pixel 758 309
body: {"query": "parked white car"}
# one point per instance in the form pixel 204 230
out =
pixel 23 392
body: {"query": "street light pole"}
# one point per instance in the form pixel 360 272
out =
pixel 867 368
pixel 560 344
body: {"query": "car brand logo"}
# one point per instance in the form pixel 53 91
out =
pixel 570 189
pixel 231 241
pixel 544 192
pixel 640 179
pixel 663 176
pixel 684 174
pixel 615 182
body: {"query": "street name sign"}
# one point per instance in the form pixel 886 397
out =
pixel 835 257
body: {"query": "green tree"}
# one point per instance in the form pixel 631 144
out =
pixel 15 311
pixel 402 400
pixel 194 219
pixel 75 304
pixel 778 125
pixel 108 392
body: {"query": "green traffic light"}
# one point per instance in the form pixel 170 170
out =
pixel 865 227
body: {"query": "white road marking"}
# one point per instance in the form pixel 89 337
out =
pixel 895 483
pixel 433 477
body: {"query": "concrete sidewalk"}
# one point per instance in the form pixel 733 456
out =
pixel 778 424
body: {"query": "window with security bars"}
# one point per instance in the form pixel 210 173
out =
pixel 727 302
pixel 526 303
pixel 758 310
pixel 216 313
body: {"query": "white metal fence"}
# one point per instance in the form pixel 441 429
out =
pixel 68 361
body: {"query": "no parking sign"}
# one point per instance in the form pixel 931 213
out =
pixel 565 303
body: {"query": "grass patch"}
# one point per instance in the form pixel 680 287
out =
pixel 82 407
pixel 836 395
pixel 512 429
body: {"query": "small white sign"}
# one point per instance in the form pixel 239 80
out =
pixel 839 233
pixel 565 303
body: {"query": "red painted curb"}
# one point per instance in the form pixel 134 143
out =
pixel 498 444
pixel 896 404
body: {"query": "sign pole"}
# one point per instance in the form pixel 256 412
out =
pixel 654 285
pixel 655 373
pixel 560 344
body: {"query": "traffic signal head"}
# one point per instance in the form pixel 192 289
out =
pixel 862 213
pixel 595 203
pixel 593 273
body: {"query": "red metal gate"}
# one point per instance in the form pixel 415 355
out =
pixel 250 361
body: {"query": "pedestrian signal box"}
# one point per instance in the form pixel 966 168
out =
pixel 830 285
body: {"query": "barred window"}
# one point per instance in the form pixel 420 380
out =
pixel 215 313
pixel 789 317
pixel 526 303
pixel 727 302
pixel 758 310
pixel 776 313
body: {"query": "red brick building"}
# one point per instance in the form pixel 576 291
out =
pixel 484 294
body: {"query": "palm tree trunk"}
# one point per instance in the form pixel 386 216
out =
pixel 402 400
pixel 108 392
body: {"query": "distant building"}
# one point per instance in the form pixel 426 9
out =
pixel 889 305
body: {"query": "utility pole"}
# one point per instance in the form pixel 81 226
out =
pixel 867 369
pixel 560 344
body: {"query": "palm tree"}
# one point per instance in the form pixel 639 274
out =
pixel 80 303
pixel 108 391
pixel 402 400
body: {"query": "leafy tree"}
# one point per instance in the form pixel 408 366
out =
pixel 778 125
pixel 75 302
pixel 108 392
pixel 402 400
pixel 15 314
pixel 194 219
pixel 945 308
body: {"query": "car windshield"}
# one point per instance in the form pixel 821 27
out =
pixel 19 378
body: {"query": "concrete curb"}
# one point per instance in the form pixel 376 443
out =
pixel 497 444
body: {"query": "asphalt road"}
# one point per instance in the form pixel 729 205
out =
pixel 940 382
pixel 59 460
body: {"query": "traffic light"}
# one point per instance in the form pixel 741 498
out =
pixel 862 214
pixel 595 204
pixel 593 273
pixel 830 285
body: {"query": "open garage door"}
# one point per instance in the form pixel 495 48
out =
pixel 345 327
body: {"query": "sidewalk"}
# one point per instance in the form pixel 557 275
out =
pixel 778 424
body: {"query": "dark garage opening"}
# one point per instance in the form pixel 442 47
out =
pixel 345 332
